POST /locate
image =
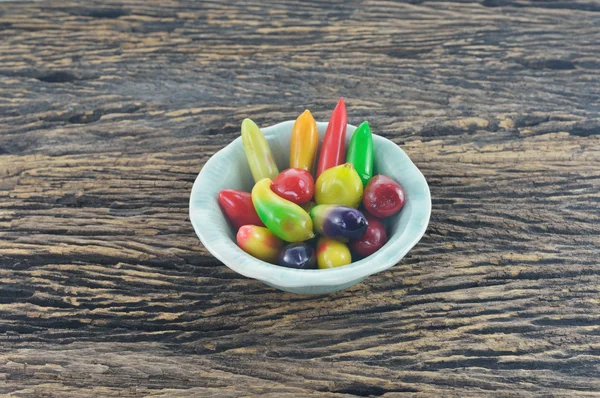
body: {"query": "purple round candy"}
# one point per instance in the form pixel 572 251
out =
pixel 298 255
pixel 339 222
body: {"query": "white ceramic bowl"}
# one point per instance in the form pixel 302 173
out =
pixel 228 168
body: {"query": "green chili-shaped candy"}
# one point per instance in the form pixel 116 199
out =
pixel 360 152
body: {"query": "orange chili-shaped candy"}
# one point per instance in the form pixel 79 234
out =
pixel 304 142
pixel 333 150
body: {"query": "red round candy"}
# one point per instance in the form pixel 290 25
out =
pixel 383 197
pixel 295 185
pixel 238 208
pixel 372 240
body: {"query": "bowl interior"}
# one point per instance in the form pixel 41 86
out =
pixel 229 169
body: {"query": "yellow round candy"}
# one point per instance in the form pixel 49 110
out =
pixel 340 185
pixel 331 253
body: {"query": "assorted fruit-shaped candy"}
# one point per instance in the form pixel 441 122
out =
pixel 372 240
pixel 259 242
pixel 319 219
pixel 295 185
pixel 332 253
pixel 304 142
pixel 285 219
pixel 333 149
pixel 339 185
pixel 298 255
pixel 383 197
pixel 360 152
pixel 338 222
pixel 238 208
pixel 260 159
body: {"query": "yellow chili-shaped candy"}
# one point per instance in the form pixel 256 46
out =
pixel 331 253
pixel 285 219
pixel 304 142
pixel 259 242
pixel 261 162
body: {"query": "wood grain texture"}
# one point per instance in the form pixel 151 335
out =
pixel 108 110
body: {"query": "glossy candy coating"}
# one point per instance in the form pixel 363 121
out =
pixel 285 219
pixel 333 149
pixel 260 159
pixel 295 185
pixel 372 240
pixel 339 185
pixel 383 197
pixel 331 253
pixel 338 222
pixel 304 142
pixel 259 242
pixel 298 255
pixel 360 152
pixel 238 208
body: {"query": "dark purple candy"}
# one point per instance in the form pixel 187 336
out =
pixel 339 222
pixel 298 255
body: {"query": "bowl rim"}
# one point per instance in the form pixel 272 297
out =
pixel 386 257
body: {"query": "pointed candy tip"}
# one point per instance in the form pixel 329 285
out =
pixel 247 123
pixel 364 126
pixel 341 105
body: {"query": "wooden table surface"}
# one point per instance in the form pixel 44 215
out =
pixel 109 110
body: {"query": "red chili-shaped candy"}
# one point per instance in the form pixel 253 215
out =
pixel 238 208
pixel 295 185
pixel 383 197
pixel 333 150
pixel 372 240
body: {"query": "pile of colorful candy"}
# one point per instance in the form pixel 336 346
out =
pixel 290 207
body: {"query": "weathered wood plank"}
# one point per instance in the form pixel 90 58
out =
pixel 108 110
